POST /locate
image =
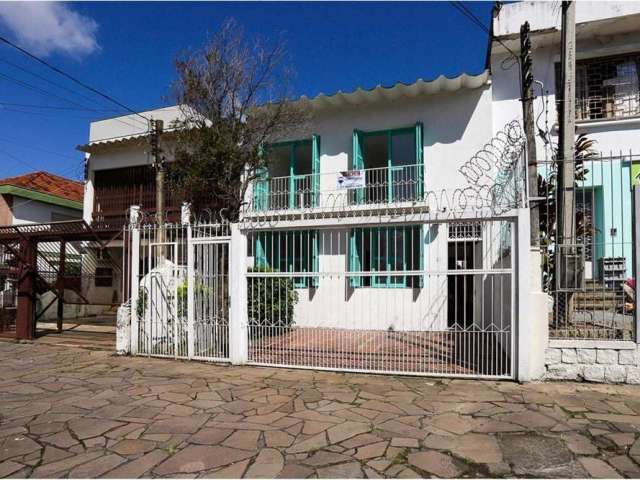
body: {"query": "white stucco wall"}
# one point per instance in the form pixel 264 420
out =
pixel 543 15
pixel 30 211
pixel 456 126
pixel 131 125
pixel 612 136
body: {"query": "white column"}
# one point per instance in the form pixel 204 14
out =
pixel 190 295
pixel 135 285
pixel 238 331
pixel 532 327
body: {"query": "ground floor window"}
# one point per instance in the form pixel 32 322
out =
pixel 394 250
pixel 291 252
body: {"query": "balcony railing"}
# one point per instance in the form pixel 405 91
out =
pixel 608 107
pixel 111 203
pixel 381 186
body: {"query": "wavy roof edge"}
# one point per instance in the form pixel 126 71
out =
pixel 439 84
pixel 357 96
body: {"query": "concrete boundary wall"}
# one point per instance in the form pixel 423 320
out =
pixel 593 361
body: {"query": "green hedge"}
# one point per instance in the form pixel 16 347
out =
pixel 271 301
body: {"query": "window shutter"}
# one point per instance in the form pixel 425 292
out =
pixel 315 169
pixel 419 160
pixel 421 277
pixel 357 162
pixel 260 260
pixel 355 262
pixel 315 281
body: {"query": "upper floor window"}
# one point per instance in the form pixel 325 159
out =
pixel 292 176
pixel 607 87
pixel 392 164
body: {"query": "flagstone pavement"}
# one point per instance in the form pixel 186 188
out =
pixel 70 412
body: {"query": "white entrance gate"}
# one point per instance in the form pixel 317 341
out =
pixel 208 293
pixel 419 298
pixel 180 291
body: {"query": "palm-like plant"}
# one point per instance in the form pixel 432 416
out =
pixel 547 188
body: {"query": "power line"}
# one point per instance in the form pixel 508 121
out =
pixel 50 107
pixel 44 92
pixel 48 114
pixel 32 167
pixel 70 77
pixel 43 78
pixel 471 16
pixel 39 149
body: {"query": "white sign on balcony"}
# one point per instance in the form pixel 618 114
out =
pixel 351 179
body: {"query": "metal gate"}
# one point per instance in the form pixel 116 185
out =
pixel 405 298
pixel 208 293
pixel 179 290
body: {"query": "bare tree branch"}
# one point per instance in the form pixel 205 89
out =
pixel 233 98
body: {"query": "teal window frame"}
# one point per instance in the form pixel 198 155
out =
pixel 299 244
pixel 358 160
pixel 261 193
pixel 377 258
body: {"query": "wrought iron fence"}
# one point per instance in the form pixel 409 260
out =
pixel 613 106
pixel 586 235
pixel 418 298
pixel 179 289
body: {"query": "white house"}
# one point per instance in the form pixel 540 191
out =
pixel 334 215
pixel 607 111
pixel 607 104
pixel 385 235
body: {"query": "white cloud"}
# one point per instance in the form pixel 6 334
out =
pixel 45 28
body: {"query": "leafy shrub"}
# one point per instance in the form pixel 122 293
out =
pixel 141 305
pixel 271 301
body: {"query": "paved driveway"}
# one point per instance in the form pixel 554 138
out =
pixel 69 412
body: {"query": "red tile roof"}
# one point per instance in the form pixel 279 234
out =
pixel 49 183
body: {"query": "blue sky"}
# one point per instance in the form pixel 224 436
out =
pixel 127 50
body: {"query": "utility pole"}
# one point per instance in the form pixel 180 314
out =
pixel 529 130
pixel 158 164
pixel 566 273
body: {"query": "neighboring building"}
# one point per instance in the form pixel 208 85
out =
pixel 39 197
pixel 607 105
pixel 118 169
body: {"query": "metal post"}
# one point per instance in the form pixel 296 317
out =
pixel 636 259
pixel 238 334
pixel 25 327
pixel 60 283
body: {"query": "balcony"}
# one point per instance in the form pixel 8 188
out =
pixel 382 187
pixel 610 107
pixel 111 203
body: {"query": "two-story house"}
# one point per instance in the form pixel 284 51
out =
pixel 331 196
pixel 607 109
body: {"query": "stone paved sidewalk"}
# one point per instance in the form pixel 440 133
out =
pixel 68 412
